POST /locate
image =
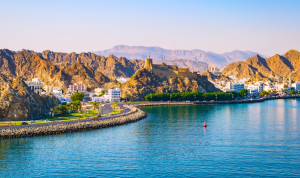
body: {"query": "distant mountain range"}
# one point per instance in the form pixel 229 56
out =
pixel 141 52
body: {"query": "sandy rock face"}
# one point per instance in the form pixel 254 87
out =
pixel 17 99
pixel 144 82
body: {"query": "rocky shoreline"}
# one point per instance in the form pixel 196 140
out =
pixel 66 127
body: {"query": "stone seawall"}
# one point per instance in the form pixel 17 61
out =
pixel 57 128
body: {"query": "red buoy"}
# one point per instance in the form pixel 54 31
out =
pixel 204 124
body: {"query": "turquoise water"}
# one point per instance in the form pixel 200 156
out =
pixel 245 140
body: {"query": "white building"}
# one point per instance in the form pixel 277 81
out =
pixel 77 87
pixel 99 99
pixel 35 85
pixel 255 88
pixel 122 79
pixel 113 95
pixel 234 86
pixel 56 90
pixel 294 86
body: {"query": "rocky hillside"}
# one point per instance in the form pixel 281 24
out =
pixel 275 66
pixel 142 52
pixel 212 77
pixel 17 98
pixel 144 82
pixel 28 64
pixel 110 66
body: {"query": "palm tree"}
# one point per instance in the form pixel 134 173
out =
pixel 95 104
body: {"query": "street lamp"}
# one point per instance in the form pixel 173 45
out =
pixel 216 97
pixel 232 96
pixel 15 119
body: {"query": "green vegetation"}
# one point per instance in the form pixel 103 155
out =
pixel 95 104
pixel 102 93
pixel 292 92
pixel 77 97
pixel 192 96
pixel 75 106
pixel 243 92
pixel 264 93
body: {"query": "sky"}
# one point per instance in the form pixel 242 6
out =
pixel 265 26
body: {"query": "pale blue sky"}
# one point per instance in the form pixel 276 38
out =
pixel 265 26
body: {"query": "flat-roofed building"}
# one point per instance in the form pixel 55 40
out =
pixel 77 87
pixel 35 85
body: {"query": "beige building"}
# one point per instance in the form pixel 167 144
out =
pixel 212 68
pixel 35 85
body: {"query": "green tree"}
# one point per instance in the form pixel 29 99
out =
pixel 264 93
pixel 95 104
pixel 57 110
pixel 292 92
pixel 77 96
pixel 243 92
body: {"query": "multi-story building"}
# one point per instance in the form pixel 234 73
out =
pixel 35 85
pixel 255 88
pixel 113 95
pixel 234 86
pixel 77 87
pixel 212 68
pixel 296 86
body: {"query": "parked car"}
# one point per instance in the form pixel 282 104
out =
pixel 161 101
pixel 24 123
pixel 188 101
pixel 197 101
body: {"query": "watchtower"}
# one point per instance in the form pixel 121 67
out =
pixel 148 64
pixel 79 60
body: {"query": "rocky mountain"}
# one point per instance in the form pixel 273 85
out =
pixel 144 82
pixel 17 99
pixel 212 77
pixel 110 66
pixel 275 66
pixel 141 52
pixel 28 64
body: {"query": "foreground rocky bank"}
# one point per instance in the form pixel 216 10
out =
pixel 75 126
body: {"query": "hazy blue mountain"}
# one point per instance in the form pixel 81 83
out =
pixel 142 52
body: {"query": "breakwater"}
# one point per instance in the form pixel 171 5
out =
pixel 75 126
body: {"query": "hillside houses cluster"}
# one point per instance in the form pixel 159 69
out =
pixel 98 95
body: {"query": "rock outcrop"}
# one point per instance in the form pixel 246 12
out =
pixel 17 100
pixel 144 82
pixel 277 65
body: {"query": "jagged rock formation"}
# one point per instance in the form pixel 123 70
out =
pixel 27 65
pixel 279 66
pixel 110 66
pixel 146 81
pixel 17 99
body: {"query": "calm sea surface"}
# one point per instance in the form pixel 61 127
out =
pixel 245 140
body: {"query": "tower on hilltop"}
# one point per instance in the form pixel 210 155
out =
pixel 148 64
pixel 79 60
